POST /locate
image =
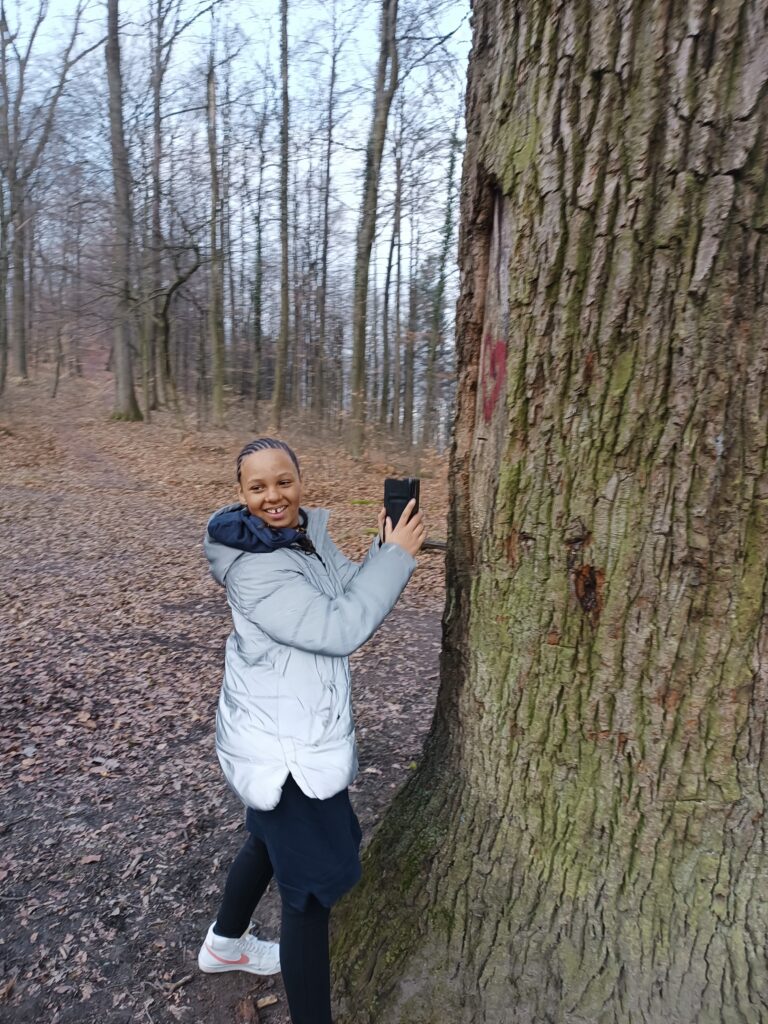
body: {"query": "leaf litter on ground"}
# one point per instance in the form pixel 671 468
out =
pixel 117 826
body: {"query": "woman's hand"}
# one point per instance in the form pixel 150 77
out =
pixel 410 532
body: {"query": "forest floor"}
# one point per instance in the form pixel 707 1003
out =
pixel 117 828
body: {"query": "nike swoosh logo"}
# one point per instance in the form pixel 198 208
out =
pixel 243 958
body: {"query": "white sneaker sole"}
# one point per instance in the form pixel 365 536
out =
pixel 210 965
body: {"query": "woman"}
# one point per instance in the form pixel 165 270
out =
pixel 284 732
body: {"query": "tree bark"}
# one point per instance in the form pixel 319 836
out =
pixel 584 839
pixel 126 407
pixel 386 84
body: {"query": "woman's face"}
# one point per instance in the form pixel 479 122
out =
pixel 270 487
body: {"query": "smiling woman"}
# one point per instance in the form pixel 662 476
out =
pixel 270 482
pixel 284 730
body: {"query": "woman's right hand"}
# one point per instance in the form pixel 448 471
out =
pixel 410 532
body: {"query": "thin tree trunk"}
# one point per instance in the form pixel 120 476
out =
pixel 386 84
pixel 319 398
pixel 18 291
pixel 159 383
pixel 281 356
pixel 3 289
pixel 258 313
pixel 126 407
pixel 215 303
pixel 397 381
pixel 293 374
pixel 430 420
pixel 409 363
pixel 29 283
pixel 75 363
pixel 584 839
pixel 386 371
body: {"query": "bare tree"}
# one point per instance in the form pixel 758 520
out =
pixel 281 359
pixel 384 90
pixel 25 129
pixel 215 298
pixel 319 376
pixel 126 407
pixel 429 418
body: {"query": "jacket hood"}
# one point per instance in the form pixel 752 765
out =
pixel 221 557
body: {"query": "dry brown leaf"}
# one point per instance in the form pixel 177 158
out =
pixel 246 1012
pixel 269 1000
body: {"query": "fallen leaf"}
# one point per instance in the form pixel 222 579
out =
pixel 246 1012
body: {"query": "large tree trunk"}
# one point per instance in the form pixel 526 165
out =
pixel 585 837
pixel 126 407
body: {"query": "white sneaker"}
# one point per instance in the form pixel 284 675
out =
pixel 244 954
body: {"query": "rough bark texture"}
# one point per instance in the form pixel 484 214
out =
pixel 585 839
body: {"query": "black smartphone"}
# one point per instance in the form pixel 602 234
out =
pixel 397 494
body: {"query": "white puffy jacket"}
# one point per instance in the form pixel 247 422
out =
pixel 285 701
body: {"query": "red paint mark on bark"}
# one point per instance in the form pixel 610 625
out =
pixel 493 375
pixel 589 367
pixel 512 549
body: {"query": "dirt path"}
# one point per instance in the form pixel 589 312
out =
pixel 116 826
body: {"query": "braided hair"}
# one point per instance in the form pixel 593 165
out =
pixel 259 445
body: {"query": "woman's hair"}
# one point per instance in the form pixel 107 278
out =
pixel 259 445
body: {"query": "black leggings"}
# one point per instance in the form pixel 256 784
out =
pixel 304 959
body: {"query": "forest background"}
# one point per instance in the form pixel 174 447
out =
pixel 208 219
